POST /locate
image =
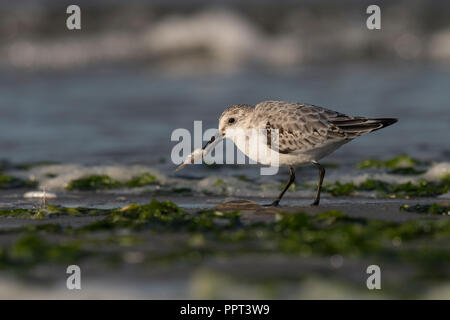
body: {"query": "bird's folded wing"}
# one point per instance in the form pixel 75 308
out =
pixel 302 127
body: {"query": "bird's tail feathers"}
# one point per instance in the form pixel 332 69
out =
pixel 359 126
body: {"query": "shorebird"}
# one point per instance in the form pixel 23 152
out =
pixel 306 133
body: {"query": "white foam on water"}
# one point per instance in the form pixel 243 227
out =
pixel 228 36
pixel 437 171
pixel 58 177
pixel 222 39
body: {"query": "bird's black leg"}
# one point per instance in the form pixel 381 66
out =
pixel 291 179
pixel 319 188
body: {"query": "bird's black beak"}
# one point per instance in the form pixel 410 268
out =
pixel 219 136
pixel 207 148
pixel 209 142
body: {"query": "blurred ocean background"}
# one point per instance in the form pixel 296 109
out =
pixel 114 91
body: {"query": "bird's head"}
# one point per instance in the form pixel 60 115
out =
pixel 234 117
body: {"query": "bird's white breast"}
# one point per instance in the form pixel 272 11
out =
pixel 254 145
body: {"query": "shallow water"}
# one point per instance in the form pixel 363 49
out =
pixel 126 115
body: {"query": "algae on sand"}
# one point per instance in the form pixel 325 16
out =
pixel 142 180
pixel 105 182
pixel 329 232
pixel 193 238
pixel 31 250
pixel 94 182
pixel 10 182
pixel 422 188
pixel 434 208
pixel 398 162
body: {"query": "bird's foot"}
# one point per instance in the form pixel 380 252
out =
pixel 273 204
pixel 315 203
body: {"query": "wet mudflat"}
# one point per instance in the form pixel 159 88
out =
pixel 142 232
pixel 210 247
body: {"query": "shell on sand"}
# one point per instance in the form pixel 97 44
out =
pixel 39 194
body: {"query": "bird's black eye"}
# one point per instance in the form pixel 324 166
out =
pixel 231 120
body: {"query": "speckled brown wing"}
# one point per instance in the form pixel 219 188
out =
pixel 304 127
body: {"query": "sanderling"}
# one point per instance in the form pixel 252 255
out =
pixel 306 133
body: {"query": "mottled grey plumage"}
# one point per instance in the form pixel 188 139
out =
pixel 303 127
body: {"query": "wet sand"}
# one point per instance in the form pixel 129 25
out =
pixel 380 209
pixel 241 275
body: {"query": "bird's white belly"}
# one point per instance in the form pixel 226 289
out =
pixel 255 147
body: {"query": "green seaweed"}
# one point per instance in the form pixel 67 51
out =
pixel 142 180
pixel 105 182
pixel 10 182
pixel 422 188
pixel 401 161
pixel 434 208
pixel 49 210
pixel 219 182
pixel 406 171
pixel 325 233
pixel 158 215
pixel 94 182
pixel 339 189
pixel 193 237
pixel 31 250
pixel 446 178
pixel 214 232
pixel 333 232
pixel 22 213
